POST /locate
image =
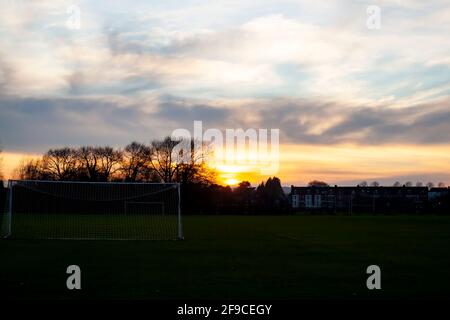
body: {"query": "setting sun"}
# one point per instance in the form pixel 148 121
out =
pixel 232 182
pixel 233 174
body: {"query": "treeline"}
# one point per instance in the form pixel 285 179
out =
pixel 137 162
pixel 157 162
pixel 267 198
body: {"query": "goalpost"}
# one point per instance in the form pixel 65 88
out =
pixel 92 211
pixel 5 222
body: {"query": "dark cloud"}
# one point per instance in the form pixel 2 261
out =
pixel 186 113
pixel 34 125
pixel 409 125
pixel 423 124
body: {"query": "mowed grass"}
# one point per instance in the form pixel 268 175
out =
pixel 95 226
pixel 240 257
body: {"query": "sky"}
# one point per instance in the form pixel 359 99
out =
pixel 353 101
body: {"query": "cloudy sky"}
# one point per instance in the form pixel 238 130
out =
pixel 352 102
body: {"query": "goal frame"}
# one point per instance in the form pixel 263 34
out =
pixel 7 212
pixel 9 203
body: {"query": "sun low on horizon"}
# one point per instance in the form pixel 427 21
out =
pixel 233 176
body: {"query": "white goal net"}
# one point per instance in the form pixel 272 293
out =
pixel 92 211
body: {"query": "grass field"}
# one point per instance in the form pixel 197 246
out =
pixel 95 226
pixel 237 257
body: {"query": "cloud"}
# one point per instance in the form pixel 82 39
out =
pixel 185 49
pixel 33 125
pixel 332 123
pixel 380 126
pixel 352 62
pixel 137 71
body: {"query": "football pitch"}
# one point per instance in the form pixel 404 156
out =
pixel 243 257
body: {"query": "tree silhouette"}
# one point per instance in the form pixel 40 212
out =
pixel 184 165
pixel 109 162
pixel 157 162
pixel 98 163
pixel 31 169
pixel 192 167
pixel 135 162
pixel 60 164
pixel 317 183
pixel 87 157
pixel 270 196
pixel 162 159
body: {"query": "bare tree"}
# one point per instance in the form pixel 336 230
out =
pixel 197 173
pixel 441 185
pixel 408 184
pixel 99 163
pixel 363 184
pixel 419 184
pixel 109 160
pixel 397 184
pixel 135 164
pixel 192 167
pixel 88 159
pixel 161 161
pixel 375 184
pixel 174 164
pixel 430 185
pixel 317 183
pixel 161 158
pixel 31 169
pixel 60 164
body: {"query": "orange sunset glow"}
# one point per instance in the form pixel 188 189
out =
pixel 350 163
pixel 340 164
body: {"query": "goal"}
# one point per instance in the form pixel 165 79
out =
pixel 92 211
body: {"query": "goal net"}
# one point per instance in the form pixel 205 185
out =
pixel 92 211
